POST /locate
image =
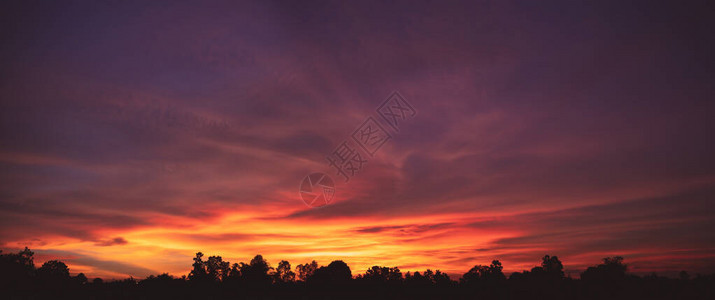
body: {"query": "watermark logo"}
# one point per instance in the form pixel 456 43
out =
pixel 370 136
pixel 350 156
pixel 395 109
pixel 317 189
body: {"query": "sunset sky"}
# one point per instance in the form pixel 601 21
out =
pixel 133 135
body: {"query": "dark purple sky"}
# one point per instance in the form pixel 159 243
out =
pixel 133 135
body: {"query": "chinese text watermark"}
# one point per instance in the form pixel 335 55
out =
pixel 350 156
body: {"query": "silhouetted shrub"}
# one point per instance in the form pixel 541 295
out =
pixel 215 278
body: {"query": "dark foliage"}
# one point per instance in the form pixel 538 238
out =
pixel 215 278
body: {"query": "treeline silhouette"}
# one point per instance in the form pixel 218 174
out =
pixel 214 278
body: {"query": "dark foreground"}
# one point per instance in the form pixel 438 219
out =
pixel 217 279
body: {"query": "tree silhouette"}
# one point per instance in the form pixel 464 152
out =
pixel 257 272
pixel 215 278
pixel 284 273
pixel 379 274
pixel 234 274
pixel 484 274
pixel 17 270
pixel 442 280
pixel 80 278
pixel 198 273
pixel 216 268
pixel 428 278
pixel 552 267
pixel 612 268
pixel 335 272
pixel 54 269
pixel 306 270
